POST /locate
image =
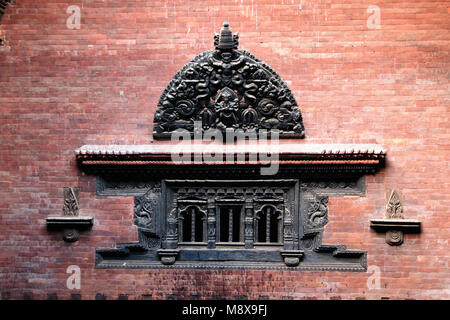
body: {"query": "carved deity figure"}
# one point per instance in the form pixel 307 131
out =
pixel 227 108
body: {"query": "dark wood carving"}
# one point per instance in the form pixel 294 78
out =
pixel 297 243
pixel 315 210
pixel 227 213
pixel 227 89
pixel 3 4
pixel 146 210
pixel 297 194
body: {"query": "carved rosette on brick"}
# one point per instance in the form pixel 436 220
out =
pixel 227 89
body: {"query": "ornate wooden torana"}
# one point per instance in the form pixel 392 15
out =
pixel 223 211
pixel 225 89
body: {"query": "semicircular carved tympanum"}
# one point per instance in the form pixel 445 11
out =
pixel 227 89
pixel 3 4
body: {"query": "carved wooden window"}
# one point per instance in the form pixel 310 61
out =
pixel 192 225
pixel 268 225
pixel 206 214
pixel 229 225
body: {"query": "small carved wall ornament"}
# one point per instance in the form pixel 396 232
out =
pixel 70 221
pixel 394 208
pixel 395 225
pixel 70 207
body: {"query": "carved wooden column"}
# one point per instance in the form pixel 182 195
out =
pixel 172 227
pixel 291 257
pixel 169 252
pixel 248 223
pixel 288 232
pixel 211 223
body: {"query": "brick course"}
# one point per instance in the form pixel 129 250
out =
pixel 62 88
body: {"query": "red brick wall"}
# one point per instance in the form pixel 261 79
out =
pixel 61 88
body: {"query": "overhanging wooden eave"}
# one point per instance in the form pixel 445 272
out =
pixel 250 154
